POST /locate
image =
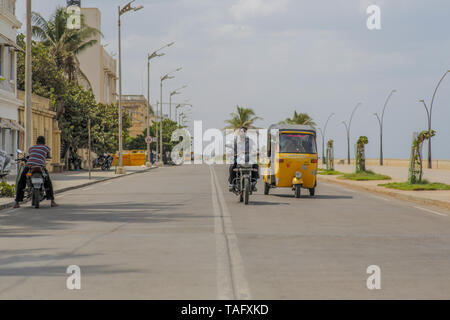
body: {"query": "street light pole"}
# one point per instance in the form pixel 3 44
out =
pixel 347 129
pixel 125 9
pixel 152 56
pixel 163 78
pixel 323 133
pixel 429 120
pixel 181 105
pixel 28 82
pixel 380 122
pixel 174 92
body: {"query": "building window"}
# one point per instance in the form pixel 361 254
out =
pixel 12 73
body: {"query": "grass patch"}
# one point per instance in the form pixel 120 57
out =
pixel 7 190
pixel 364 176
pixel 423 186
pixel 329 172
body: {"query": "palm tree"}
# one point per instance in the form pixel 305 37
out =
pixel 243 117
pixel 65 44
pixel 299 118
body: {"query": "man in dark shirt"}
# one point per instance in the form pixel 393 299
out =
pixel 37 156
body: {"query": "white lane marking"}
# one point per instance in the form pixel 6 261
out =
pixel 224 282
pixel 431 211
pixel 224 229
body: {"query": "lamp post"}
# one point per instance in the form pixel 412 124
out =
pixel 155 54
pixel 28 81
pixel 347 129
pixel 163 78
pixel 429 115
pixel 323 133
pixel 174 92
pixel 181 105
pixel 125 9
pixel 380 122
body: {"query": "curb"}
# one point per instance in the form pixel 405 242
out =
pixel 10 204
pixel 388 192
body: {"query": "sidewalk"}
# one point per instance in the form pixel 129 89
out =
pixel 439 198
pixel 75 179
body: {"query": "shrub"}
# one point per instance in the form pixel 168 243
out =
pixel 7 190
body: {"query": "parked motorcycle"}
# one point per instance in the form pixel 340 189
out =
pixel 107 163
pixel 243 183
pixel 104 162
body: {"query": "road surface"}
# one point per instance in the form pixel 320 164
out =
pixel 177 233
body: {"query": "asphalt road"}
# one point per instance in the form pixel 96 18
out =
pixel 177 233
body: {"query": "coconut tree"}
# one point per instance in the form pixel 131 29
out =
pixel 299 118
pixel 243 117
pixel 64 43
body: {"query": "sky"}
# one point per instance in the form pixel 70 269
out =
pixel 278 56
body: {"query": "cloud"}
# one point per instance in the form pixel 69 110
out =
pixel 235 31
pixel 251 8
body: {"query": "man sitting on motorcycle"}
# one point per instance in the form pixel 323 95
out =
pixel 243 145
pixel 37 156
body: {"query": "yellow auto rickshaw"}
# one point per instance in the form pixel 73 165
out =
pixel 292 159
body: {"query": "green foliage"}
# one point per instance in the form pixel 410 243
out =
pixel 7 190
pixel 330 155
pixel 329 172
pixel 242 117
pixel 300 119
pixel 364 176
pixel 360 154
pixel 423 186
pixel 55 76
pixel 48 79
pixel 415 167
pixel 105 128
pixel 138 143
pixel 64 44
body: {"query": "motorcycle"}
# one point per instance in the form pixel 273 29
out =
pixel 36 176
pixel 107 163
pixel 104 162
pixel 243 183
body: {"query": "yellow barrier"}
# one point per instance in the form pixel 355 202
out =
pixel 132 158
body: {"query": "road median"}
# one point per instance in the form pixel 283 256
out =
pixel 432 198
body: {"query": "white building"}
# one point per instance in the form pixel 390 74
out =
pixel 97 64
pixel 9 104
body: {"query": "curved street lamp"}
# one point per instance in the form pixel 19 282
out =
pixel 174 92
pixel 429 115
pixel 380 122
pixel 163 78
pixel 128 7
pixel 323 133
pixel 347 129
pixel 151 56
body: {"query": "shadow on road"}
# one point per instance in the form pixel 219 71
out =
pixel 263 203
pixel 321 196
pixel 27 221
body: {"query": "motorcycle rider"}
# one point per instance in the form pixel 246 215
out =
pixel 243 145
pixel 37 155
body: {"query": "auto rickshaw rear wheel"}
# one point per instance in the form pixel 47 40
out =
pixel 312 192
